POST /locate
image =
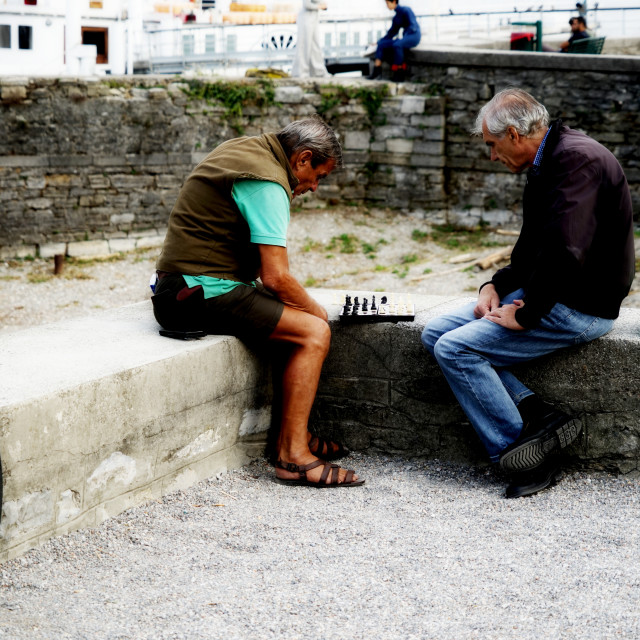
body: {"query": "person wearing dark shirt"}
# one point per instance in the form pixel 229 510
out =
pixel 578 32
pixel 570 269
pixel 404 19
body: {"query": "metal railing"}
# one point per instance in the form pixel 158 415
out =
pixel 225 47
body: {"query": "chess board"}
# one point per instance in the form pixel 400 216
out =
pixel 376 307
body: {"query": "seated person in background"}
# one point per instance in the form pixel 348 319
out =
pixel 404 19
pixel 229 226
pixel 578 32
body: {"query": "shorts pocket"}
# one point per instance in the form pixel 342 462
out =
pixel 180 311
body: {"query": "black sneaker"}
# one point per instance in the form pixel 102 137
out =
pixel 555 431
pixel 530 482
pixel 376 73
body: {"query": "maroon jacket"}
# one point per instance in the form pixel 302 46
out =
pixel 576 245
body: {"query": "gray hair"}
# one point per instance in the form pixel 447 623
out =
pixel 512 108
pixel 312 134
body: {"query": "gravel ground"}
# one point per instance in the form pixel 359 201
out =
pixel 422 550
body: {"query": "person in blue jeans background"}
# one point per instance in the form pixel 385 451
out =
pixel 570 269
pixel 404 19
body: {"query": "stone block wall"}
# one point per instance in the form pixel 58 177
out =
pixel 599 95
pixel 101 161
pixel 381 393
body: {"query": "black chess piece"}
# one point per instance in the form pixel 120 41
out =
pixel 383 300
pixel 373 303
pixel 356 307
pixel 365 305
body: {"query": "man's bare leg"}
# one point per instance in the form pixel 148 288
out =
pixel 310 338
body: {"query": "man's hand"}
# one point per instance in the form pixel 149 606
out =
pixel 505 316
pixel 488 300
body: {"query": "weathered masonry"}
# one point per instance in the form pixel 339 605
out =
pixel 102 161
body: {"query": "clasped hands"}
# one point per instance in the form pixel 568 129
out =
pixel 488 307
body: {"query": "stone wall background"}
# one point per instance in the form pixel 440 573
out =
pixel 94 166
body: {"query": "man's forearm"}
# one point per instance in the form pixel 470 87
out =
pixel 289 291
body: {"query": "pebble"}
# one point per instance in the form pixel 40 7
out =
pixel 425 549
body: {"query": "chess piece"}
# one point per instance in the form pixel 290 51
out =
pixel 373 304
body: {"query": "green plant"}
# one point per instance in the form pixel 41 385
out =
pixel 233 96
pixel 371 98
pixel 419 236
pixel 368 248
pixel 453 237
pixel 369 169
pixel 310 244
pixel 401 273
pixel 345 243
pixel 412 257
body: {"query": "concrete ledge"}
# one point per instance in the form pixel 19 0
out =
pixel 101 413
pixel 381 392
pixel 451 56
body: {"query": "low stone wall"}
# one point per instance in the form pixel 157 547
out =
pixel 382 393
pixel 101 413
pixel 86 160
pixel 598 94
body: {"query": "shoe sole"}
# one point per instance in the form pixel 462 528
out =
pixel 530 454
pixel 318 485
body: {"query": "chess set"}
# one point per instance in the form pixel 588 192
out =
pixel 361 309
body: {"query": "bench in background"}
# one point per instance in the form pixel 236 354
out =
pixel 586 45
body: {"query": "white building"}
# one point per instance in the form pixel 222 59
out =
pixel 68 37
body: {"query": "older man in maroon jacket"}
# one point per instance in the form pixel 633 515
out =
pixel 570 269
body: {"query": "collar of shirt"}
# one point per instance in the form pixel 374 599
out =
pixel 538 159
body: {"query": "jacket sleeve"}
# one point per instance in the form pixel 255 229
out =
pixel 565 238
pixel 396 23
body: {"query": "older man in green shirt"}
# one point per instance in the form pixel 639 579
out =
pixel 227 228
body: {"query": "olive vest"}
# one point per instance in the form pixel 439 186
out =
pixel 207 234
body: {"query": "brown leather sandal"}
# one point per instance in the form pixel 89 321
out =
pixel 317 445
pixel 302 481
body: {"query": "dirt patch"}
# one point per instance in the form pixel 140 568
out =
pixel 348 248
pixel 379 250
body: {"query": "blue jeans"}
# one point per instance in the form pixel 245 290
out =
pixel 398 46
pixel 474 355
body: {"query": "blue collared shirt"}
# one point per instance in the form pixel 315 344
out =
pixel 538 159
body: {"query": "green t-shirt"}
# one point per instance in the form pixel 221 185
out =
pixel 265 207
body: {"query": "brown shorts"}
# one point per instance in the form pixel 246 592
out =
pixel 249 313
